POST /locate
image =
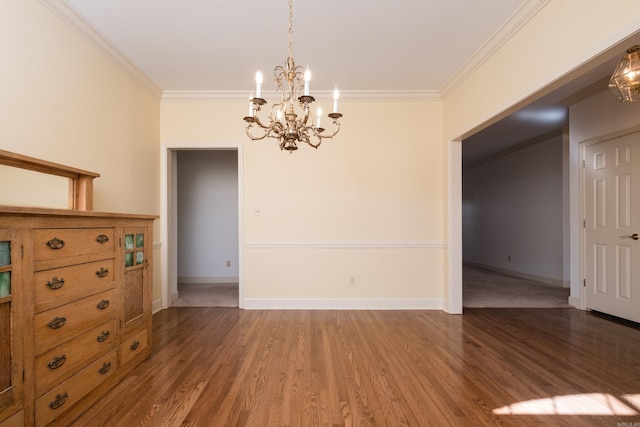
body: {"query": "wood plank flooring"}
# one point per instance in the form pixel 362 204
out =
pixel 493 367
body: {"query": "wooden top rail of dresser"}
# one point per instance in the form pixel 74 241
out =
pixel 81 184
pixel 34 213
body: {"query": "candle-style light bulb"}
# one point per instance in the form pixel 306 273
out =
pixel 251 105
pixel 307 79
pixel 318 115
pixel 336 95
pixel 258 84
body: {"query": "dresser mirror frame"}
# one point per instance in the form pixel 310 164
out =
pixel 80 196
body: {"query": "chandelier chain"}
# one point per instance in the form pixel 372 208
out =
pixel 290 28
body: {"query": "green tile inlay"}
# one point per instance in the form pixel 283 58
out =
pixel 5 253
pixel 139 257
pixel 128 241
pixel 5 284
pixel 139 240
pixel 128 259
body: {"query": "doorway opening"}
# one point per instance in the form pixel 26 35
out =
pixel 571 88
pixel 204 220
pixel 513 225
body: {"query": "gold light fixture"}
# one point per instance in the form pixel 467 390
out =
pixel 290 121
pixel 625 82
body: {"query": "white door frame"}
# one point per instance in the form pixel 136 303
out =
pixel 453 303
pixel 168 220
pixel 582 147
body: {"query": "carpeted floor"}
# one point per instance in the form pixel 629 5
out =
pixel 207 295
pixel 484 288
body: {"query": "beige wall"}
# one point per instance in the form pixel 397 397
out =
pixel 65 102
pixel 562 36
pixel 373 204
pixel 366 204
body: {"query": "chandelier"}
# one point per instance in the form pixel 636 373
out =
pixel 290 120
pixel 625 82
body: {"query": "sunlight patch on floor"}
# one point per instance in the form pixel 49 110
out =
pixel 575 404
pixel 633 399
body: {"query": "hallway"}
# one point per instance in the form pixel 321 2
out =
pixel 485 288
pixel 207 295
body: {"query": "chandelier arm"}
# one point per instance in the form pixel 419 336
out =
pixel 319 133
pixel 306 138
pixel 255 138
pixel 308 141
pixel 259 123
pixel 304 120
pixel 335 131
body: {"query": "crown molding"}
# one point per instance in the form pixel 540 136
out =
pixel 515 22
pixel 70 16
pixel 321 96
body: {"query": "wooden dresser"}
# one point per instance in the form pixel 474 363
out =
pixel 75 309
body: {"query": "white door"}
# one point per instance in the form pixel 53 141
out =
pixel 612 224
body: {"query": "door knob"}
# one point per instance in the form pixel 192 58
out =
pixel 634 236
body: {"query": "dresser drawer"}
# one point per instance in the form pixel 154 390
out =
pixel 55 366
pixel 16 420
pixel 133 346
pixel 58 325
pixel 65 284
pixel 54 403
pixel 52 243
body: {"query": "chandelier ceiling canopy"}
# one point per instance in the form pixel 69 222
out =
pixel 625 82
pixel 290 120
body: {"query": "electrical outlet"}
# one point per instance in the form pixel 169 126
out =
pixel 352 281
pixel 509 258
pixel 228 263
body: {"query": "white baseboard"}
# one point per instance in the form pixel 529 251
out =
pixel 174 296
pixel 544 280
pixel 208 279
pixel 575 302
pixel 341 304
pixel 156 306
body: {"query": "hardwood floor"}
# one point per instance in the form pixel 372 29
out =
pixel 505 367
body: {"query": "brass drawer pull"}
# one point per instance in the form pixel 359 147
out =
pixel 103 272
pixel 57 323
pixel 103 238
pixel 55 243
pixel 103 304
pixel 57 362
pixel 103 336
pixel 60 400
pixel 55 283
pixel 105 368
pixel 135 345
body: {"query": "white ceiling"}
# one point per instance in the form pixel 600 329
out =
pixel 360 45
pixel 422 46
